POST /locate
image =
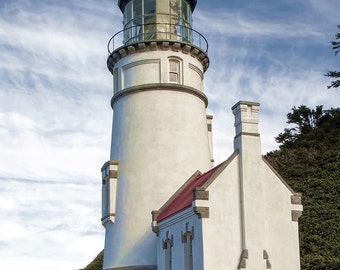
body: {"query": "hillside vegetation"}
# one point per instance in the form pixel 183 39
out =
pixel 309 160
pixel 97 263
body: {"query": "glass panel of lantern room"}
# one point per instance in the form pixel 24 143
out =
pixel 149 19
pixel 163 20
pixel 163 7
pixel 175 13
pixel 128 22
pixel 149 8
pixel 186 21
pixel 127 13
pixel 180 19
pixel 185 13
pixel 137 11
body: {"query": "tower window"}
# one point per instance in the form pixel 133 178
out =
pixel 115 81
pixel 174 71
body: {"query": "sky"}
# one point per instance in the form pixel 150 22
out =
pixel 55 114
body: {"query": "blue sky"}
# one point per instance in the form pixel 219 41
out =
pixel 55 114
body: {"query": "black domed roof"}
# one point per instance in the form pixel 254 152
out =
pixel 122 4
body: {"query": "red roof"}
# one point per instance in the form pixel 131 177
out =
pixel 185 197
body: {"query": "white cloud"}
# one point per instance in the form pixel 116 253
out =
pixel 48 220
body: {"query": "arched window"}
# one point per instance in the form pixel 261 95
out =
pixel 167 246
pixel 174 70
pixel 188 256
pixel 187 240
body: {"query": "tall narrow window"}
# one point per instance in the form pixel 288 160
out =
pixel 107 196
pixel 115 81
pixel 168 254
pixel 188 254
pixel 137 19
pixel 149 19
pixel 174 71
pixel 106 193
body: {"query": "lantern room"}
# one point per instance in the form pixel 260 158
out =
pixel 157 20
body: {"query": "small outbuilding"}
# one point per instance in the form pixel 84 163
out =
pixel 240 214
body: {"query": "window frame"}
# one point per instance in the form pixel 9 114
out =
pixel 167 246
pixel 188 251
pixel 177 71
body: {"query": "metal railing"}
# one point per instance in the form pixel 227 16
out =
pixel 157 32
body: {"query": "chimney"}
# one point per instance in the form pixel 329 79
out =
pixel 247 137
pixel 247 142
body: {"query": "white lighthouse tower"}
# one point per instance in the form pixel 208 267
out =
pixel 160 132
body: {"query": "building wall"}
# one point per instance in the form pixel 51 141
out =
pixel 253 213
pixel 252 183
pixel 221 238
pixel 222 230
pixel 175 227
pixel 266 209
pixel 154 67
pixel 269 234
pixel 282 239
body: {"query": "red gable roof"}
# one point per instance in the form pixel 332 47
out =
pixel 185 196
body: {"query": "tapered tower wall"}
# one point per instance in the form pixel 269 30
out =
pixel 159 137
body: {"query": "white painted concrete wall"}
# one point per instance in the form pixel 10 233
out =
pixel 159 137
pixel 266 212
pixel 282 239
pixel 222 230
pixel 250 208
pixel 175 227
pixel 153 67
pixel 267 223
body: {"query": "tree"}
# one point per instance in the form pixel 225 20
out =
pixel 305 119
pixel 335 74
pixel 309 160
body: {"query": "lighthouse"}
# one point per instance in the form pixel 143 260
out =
pixel 165 206
pixel 160 131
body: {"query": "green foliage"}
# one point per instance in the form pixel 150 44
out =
pixel 309 160
pixel 312 127
pixel 336 44
pixel 97 263
pixel 305 119
pixel 335 74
